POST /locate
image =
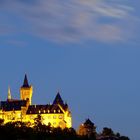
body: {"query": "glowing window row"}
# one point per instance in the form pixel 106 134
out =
pixel 48 111
pixel 50 117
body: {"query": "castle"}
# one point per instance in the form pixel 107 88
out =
pixel 56 114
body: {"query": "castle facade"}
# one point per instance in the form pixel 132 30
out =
pixel 56 114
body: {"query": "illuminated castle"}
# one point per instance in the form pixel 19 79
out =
pixel 56 114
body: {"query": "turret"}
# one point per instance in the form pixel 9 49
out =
pixel 64 107
pixel 87 129
pixel 9 97
pixel 26 91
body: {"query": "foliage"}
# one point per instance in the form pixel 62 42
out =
pixel 1 122
pixel 107 132
pixel 21 131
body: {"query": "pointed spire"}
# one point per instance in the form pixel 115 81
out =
pixel 25 83
pixel 9 94
pixel 58 99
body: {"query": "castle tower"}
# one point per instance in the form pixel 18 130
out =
pixel 26 91
pixel 87 129
pixel 64 107
pixel 9 97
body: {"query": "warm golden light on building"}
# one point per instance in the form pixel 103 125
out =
pixel 56 114
pixel 87 128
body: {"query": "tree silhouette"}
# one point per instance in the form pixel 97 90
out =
pixel 20 131
pixel 107 132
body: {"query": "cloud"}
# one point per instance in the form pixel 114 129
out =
pixel 68 21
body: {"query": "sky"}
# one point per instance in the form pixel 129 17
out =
pixel 87 50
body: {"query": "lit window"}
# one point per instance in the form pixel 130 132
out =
pixel 39 111
pixel 60 116
pixel 31 117
pixel 19 115
pixel 49 117
pixel 54 111
pixel 9 117
pixel 60 123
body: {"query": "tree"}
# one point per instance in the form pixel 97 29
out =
pixel 1 122
pixel 38 120
pixel 124 138
pixel 107 132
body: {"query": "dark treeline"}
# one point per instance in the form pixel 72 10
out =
pixel 21 131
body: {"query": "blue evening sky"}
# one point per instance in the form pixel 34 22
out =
pixel 88 50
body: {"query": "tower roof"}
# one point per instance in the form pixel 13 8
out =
pixel 25 83
pixel 88 122
pixel 58 99
pixel 9 94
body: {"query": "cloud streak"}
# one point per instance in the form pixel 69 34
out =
pixel 68 21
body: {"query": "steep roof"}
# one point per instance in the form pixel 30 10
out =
pixel 25 83
pixel 88 122
pixel 58 100
pixel 44 109
pixel 10 105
